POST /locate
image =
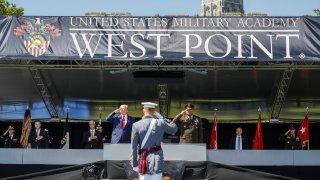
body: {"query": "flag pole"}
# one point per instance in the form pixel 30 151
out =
pixel 100 109
pixel 258 141
pixel 67 110
pixel 215 117
pixel 307 111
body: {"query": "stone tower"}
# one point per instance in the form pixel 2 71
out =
pixel 219 7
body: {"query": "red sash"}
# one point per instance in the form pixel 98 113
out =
pixel 143 165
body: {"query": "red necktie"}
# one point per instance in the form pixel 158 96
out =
pixel 123 122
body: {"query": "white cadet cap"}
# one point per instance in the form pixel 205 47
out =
pixel 149 105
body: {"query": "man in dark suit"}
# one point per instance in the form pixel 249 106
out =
pixel 38 138
pixel 9 139
pixel 239 142
pixel 190 126
pixel 122 125
pixel 92 139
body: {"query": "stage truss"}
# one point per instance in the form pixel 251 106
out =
pixel 201 67
pixel 159 65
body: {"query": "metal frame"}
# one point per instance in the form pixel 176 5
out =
pixel 119 66
pixel 283 88
pixel 159 64
pixel 44 92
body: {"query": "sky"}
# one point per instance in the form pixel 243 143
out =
pixel 162 7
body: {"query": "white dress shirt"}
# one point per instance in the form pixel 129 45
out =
pixel 92 131
pixel 238 145
pixel 38 132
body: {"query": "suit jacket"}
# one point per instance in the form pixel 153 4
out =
pixel 190 128
pixel 39 144
pixel 125 133
pixel 10 142
pixel 93 144
pixel 232 143
pixel 139 131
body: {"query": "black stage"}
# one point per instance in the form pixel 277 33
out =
pixel 120 170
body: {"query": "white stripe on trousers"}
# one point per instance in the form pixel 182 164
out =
pixel 150 176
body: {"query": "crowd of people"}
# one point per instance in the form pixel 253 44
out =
pixel 190 127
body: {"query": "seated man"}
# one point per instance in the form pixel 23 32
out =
pixel 92 139
pixel 38 138
pixel 9 139
pixel 122 125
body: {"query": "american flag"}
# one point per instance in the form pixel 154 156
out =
pixel 26 128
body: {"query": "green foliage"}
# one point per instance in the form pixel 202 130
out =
pixel 317 11
pixel 8 9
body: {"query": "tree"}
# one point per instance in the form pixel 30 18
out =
pixel 8 9
pixel 317 11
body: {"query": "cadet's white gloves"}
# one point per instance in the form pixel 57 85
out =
pixel 158 115
pixel 135 169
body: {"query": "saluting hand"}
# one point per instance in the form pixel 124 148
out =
pixel 117 111
pixel 183 112
pixel 287 132
pixel 5 133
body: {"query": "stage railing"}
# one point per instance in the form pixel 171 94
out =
pixel 191 152
pixel 176 152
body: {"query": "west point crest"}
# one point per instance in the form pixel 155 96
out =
pixel 36 34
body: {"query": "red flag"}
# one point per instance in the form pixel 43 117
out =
pixel 214 136
pixel 26 128
pixel 258 141
pixel 303 131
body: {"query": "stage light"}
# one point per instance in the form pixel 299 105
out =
pixel 158 74
pixel 118 71
pixel 202 72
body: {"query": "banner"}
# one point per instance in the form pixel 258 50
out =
pixel 160 38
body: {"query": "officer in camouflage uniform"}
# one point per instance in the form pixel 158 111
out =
pixel 190 126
